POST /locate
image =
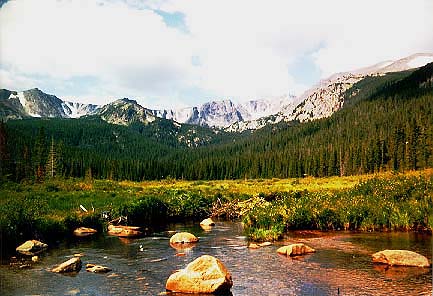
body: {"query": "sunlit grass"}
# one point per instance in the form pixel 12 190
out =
pixel 270 206
pixel 253 186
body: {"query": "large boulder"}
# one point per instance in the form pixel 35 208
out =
pixel 400 258
pixel 205 274
pixel 72 265
pixel 124 231
pixel 183 238
pixel 84 231
pixel 31 247
pixel 295 250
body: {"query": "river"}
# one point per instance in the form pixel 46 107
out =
pixel 342 264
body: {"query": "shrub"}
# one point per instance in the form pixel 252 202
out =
pixel 146 211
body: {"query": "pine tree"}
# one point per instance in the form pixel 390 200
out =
pixel 51 167
pixel 4 155
pixel 40 154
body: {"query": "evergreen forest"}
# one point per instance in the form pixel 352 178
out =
pixel 386 124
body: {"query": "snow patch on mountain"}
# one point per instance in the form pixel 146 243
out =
pixel 76 110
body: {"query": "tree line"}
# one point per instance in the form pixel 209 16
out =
pixel 386 125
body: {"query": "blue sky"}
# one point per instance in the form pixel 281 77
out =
pixel 173 53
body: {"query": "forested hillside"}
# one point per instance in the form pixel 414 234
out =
pixel 386 124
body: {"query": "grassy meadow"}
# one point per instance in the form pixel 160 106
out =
pixel 268 207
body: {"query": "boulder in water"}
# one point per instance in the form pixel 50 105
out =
pixel 183 238
pixel 253 246
pixel 400 258
pixel 205 274
pixel 97 268
pixel 124 231
pixel 207 222
pixel 295 250
pixel 31 247
pixel 72 265
pixel 84 231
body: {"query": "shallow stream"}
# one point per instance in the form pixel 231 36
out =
pixel 341 266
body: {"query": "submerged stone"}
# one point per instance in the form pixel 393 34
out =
pixel 295 250
pixel 97 268
pixel 124 231
pixel 400 258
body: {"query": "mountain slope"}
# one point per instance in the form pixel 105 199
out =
pixel 10 108
pixel 318 102
pixel 125 112
pixel 221 114
pixel 385 124
pixel 327 96
pixel 76 110
pixel 36 103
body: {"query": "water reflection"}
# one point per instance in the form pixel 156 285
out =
pixel 141 266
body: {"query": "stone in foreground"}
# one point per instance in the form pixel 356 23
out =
pixel 31 247
pixel 295 250
pixel 84 231
pixel 207 222
pixel 400 258
pixel 72 265
pixel 183 238
pixel 97 268
pixel 205 274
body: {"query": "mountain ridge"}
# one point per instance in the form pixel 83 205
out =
pixel 321 100
pixel 327 96
pixel 385 125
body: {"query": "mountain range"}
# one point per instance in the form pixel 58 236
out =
pixel 384 123
pixel 320 101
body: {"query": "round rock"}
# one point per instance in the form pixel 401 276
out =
pixel 183 238
pixel 205 274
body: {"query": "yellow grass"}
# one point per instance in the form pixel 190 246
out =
pixel 256 186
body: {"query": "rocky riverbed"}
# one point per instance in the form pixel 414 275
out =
pixel 141 266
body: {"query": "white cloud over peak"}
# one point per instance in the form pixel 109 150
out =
pixel 239 49
pixel 127 50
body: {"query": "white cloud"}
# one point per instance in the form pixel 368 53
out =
pixel 126 49
pixel 245 48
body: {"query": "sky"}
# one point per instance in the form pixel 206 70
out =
pixel 175 53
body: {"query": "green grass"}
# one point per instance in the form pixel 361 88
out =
pixel 268 208
pixel 379 204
